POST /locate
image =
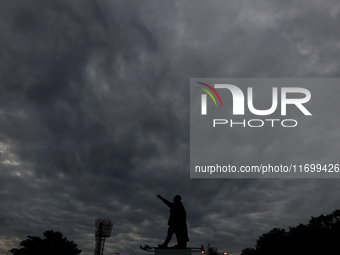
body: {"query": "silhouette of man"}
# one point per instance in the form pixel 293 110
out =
pixel 177 223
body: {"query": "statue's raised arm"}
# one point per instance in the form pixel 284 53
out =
pixel 168 203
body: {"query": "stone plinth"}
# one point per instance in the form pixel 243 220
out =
pixel 172 251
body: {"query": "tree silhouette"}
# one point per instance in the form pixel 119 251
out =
pixel 53 244
pixel 319 236
pixel 211 250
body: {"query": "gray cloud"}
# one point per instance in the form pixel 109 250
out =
pixel 94 116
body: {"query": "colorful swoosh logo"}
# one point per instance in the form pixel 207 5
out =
pixel 209 93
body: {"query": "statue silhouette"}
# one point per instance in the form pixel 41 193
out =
pixel 177 223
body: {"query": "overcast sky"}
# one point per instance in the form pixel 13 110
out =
pixel 94 116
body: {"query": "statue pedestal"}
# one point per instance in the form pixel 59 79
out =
pixel 172 251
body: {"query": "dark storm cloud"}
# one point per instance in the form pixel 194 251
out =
pixel 95 121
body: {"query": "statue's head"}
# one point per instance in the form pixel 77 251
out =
pixel 177 199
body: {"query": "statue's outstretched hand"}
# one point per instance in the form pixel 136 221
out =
pixel 159 196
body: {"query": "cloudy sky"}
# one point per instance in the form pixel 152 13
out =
pixel 94 116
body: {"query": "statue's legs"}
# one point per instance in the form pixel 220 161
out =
pixel 171 231
pixel 182 236
pixel 182 243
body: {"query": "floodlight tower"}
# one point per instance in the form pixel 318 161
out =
pixel 103 228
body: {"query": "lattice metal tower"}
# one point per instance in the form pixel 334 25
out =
pixel 103 228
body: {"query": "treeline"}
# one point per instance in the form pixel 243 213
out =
pixel 320 236
pixel 53 244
